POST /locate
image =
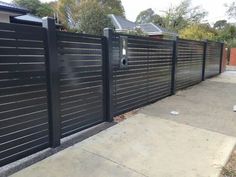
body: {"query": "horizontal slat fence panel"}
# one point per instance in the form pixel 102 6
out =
pixel 148 75
pixel 81 81
pixel 54 84
pixel 24 125
pixel 189 63
pixel 213 58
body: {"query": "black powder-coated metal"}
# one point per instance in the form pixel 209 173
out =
pixel 213 59
pixel 221 56
pixel 53 83
pixel 108 68
pixel 81 81
pixel 24 127
pixel 174 63
pixel 189 63
pixel 148 75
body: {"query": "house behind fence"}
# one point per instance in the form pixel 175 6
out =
pixel 54 84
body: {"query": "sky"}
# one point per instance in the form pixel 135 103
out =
pixel 216 9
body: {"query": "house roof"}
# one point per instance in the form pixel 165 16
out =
pixel 154 29
pixel 7 7
pixel 122 24
pixel 28 19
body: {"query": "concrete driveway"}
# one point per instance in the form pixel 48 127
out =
pixel 208 105
pixel 155 143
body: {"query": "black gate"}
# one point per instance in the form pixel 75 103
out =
pixel 146 75
pixel 81 81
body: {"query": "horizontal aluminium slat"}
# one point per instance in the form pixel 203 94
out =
pixel 66 119
pixel 23 147
pixel 61 38
pixel 81 107
pixel 23 153
pixel 80 85
pixel 64 51
pixel 21 51
pixel 73 45
pixel 21 35
pixel 22 67
pixel 22 140
pixel 21 43
pixel 22 59
pixel 21 82
pixel 22 89
pixel 80 91
pixel 43 114
pixel 22 111
pixel 23 132
pixel 80 80
pixel 19 127
pixel 68 130
pixel 88 63
pixel 76 102
pixel 25 103
pixel 21 75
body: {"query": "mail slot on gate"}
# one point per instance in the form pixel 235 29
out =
pixel 123 52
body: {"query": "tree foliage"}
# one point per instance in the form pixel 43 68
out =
pixel 231 10
pixel 72 13
pixel 45 10
pixel 198 32
pixel 220 24
pixel 112 7
pixel 36 7
pixel 180 16
pixel 149 16
pixel 68 11
pixel 92 18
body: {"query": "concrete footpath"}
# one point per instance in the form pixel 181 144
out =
pixel 154 143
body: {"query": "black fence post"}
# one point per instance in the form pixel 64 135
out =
pixel 108 68
pixel 204 60
pixel 174 65
pixel 53 82
pixel 221 56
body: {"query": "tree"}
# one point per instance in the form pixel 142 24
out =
pixel 92 18
pixel 31 5
pixel 44 10
pixel 231 10
pixel 74 14
pixel 68 11
pixel 149 16
pixel 227 33
pixel 179 17
pixel 112 7
pixel 220 24
pixel 198 32
pixel 36 7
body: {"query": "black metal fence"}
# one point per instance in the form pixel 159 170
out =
pixel 54 84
